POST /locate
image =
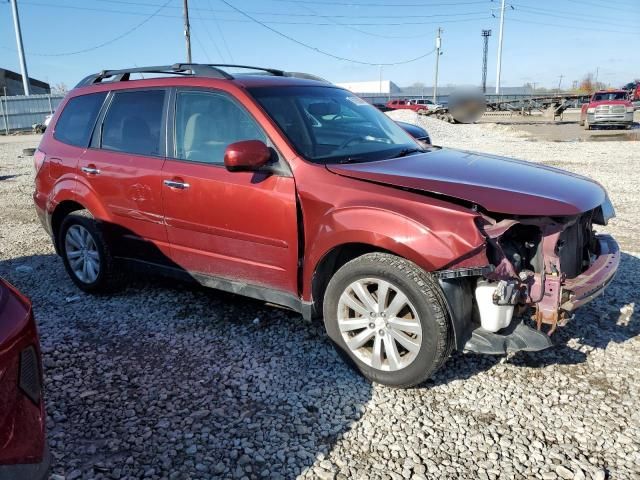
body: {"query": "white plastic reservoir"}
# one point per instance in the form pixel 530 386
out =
pixel 492 317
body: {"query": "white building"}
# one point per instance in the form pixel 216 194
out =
pixel 384 87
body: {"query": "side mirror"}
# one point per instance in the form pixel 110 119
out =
pixel 246 156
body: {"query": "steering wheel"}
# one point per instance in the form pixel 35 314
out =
pixel 350 140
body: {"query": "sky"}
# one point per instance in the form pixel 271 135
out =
pixel 65 40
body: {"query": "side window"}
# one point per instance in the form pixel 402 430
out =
pixel 207 122
pixel 78 118
pixel 133 123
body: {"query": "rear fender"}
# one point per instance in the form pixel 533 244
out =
pixel 90 200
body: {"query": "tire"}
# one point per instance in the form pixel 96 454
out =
pixel 423 320
pixel 581 123
pixel 77 227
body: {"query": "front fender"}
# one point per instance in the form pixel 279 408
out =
pixel 431 244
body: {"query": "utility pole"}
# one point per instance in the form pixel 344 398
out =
pixel 500 47
pixel 435 83
pixel 560 82
pixel 187 29
pixel 23 63
pixel 485 36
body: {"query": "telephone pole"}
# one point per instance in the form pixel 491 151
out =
pixel 435 83
pixel 560 83
pixel 23 63
pixel 500 47
pixel 485 36
pixel 187 29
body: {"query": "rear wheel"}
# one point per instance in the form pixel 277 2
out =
pixel 86 256
pixel 389 318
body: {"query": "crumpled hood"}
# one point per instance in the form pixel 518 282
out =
pixel 498 184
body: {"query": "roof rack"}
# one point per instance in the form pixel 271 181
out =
pixel 188 69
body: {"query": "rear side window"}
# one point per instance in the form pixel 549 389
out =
pixel 78 118
pixel 133 123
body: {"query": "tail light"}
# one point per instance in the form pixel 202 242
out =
pixel 38 160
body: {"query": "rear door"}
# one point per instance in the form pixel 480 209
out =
pixel 123 168
pixel 238 226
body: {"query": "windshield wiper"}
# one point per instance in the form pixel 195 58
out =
pixel 352 160
pixel 407 151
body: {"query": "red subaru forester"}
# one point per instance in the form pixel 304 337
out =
pixel 23 449
pixel 285 188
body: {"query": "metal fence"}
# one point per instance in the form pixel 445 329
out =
pixel 21 112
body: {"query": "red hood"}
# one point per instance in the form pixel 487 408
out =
pixel 499 184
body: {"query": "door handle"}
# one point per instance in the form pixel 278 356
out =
pixel 176 184
pixel 91 170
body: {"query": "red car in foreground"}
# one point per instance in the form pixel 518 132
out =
pixel 607 107
pixel 299 193
pixel 23 449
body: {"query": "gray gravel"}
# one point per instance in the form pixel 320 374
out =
pixel 164 380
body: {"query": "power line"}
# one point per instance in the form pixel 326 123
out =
pixel 315 49
pixel 108 42
pixel 530 11
pixel 608 5
pixel 569 15
pixel 224 40
pixel 291 14
pixel 236 20
pixel 575 27
pixel 206 30
pixel 370 4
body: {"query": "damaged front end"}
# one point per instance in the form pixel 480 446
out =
pixel 542 269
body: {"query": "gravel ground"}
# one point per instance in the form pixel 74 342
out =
pixel 164 380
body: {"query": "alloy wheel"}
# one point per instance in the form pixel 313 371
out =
pixel 379 325
pixel 82 253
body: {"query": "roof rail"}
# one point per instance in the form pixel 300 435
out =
pixel 194 69
pixel 210 70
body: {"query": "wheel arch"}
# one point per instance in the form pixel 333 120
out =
pixel 61 211
pixel 331 262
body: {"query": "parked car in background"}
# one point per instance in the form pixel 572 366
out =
pixel 607 107
pixel 41 127
pixel 422 105
pixel 419 133
pixel 417 105
pixel 23 449
pixel 301 194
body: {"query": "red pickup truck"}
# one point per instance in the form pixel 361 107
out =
pixel 609 107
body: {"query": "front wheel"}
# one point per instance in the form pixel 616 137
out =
pixel 389 318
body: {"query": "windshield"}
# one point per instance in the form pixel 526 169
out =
pixel 598 97
pixel 331 125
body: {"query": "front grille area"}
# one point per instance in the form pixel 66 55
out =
pixel 30 374
pixel 611 109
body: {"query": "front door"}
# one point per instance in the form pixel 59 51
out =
pixel 238 226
